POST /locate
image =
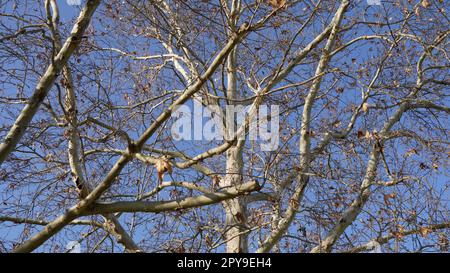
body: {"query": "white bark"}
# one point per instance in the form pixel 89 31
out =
pixel 350 214
pixel 186 203
pixel 45 83
pixel 72 213
pixel 112 224
pixel 305 145
pixel 236 235
pixel 378 242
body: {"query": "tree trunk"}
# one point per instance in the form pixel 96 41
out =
pixel 235 209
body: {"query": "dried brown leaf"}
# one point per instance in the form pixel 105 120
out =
pixel 426 3
pixel 277 3
pixel 365 107
pixel 424 231
pixel 162 166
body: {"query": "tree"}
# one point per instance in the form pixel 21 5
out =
pixel 88 101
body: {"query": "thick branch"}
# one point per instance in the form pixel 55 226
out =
pixel 45 83
pixel 160 206
pixel 76 210
pixel 305 159
pixel 350 214
pixel 386 239
pixel 111 222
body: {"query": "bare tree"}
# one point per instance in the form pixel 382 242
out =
pixel 88 102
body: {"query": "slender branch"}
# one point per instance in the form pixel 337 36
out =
pixel 72 213
pixel 112 224
pixel 18 220
pixel 46 81
pixel 384 240
pixel 305 159
pixel 351 213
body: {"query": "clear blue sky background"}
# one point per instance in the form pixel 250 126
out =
pixel 362 53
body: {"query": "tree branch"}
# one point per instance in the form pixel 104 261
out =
pixel 188 202
pixel 45 83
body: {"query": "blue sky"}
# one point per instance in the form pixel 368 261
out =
pixel 361 52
